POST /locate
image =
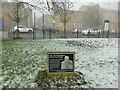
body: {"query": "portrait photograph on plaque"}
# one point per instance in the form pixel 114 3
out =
pixel 60 62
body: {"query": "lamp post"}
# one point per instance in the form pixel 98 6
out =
pixel 43 26
pixel 53 24
pixel 52 29
pixel 34 29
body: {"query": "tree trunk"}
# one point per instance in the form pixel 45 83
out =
pixel 65 21
pixel 17 34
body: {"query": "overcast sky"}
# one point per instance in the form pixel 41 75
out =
pixel 107 4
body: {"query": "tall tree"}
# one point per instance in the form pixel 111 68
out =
pixel 60 8
pixel 63 9
pixel 17 13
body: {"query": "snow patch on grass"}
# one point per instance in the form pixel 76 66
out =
pixel 97 59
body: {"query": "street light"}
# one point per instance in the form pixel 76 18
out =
pixel 34 29
pixel 52 28
pixel 53 24
pixel 43 26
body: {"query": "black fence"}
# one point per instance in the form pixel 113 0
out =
pixel 39 34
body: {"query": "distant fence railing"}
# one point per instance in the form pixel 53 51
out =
pixel 51 35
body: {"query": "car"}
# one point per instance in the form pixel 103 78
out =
pixel 85 32
pixel 113 31
pixel 76 30
pixel 48 30
pixel 54 30
pixel 22 28
pixel 95 31
pixel 91 32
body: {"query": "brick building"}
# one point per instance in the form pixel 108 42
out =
pixel 6 23
pixel 56 21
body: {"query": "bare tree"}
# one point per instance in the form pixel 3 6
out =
pixel 63 9
pixel 17 13
pixel 60 8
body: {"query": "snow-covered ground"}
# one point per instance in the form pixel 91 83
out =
pixel 97 59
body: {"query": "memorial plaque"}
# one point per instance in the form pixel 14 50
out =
pixel 60 63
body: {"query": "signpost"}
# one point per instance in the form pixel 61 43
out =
pixel 106 26
pixel 60 63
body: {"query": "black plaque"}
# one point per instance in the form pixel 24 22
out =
pixel 59 62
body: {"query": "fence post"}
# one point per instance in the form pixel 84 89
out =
pixel 77 33
pixel 43 27
pixel 50 34
pixel 34 30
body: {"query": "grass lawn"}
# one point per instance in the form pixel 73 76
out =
pixel 97 59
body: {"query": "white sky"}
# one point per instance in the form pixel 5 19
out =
pixel 81 0
pixel 108 4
